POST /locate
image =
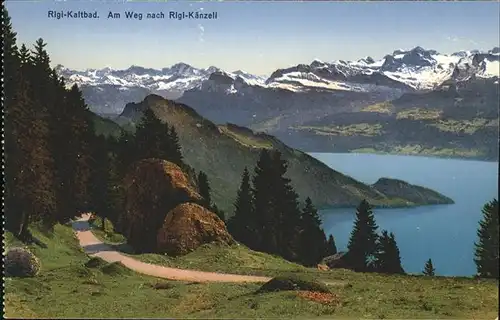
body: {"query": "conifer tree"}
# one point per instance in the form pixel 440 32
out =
pixel 175 154
pixel 29 164
pixel 125 152
pixel 388 259
pixel 312 236
pixel 99 178
pixel 150 135
pixel 115 193
pixel 429 268
pixel 262 191
pixel 242 224
pixel 13 114
pixel 487 247
pixel 362 244
pixel 277 216
pixel 331 248
pixel 204 189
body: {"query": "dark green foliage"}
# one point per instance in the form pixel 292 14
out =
pixel 277 216
pixel 331 248
pixel 125 152
pixel 174 147
pixel 362 245
pixel 148 137
pixel 106 191
pixel 154 139
pixel 429 269
pixel 242 224
pixel 388 259
pixel 29 190
pixel 204 189
pixel 293 283
pixel 313 240
pixel 486 249
pixel 267 217
pixel 95 262
pixel 220 213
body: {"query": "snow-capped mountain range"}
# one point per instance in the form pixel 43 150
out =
pixel 402 71
pixel 179 77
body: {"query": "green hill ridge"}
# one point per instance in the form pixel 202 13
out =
pixel 223 151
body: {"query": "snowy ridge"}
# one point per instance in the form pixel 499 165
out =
pixel 403 70
pixel 179 77
pixel 419 69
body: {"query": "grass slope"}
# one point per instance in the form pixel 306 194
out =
pixel 228 149
pixel 67 288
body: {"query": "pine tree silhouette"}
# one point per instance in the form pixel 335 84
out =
pixel 331 248
pixel 175 154
pixel 150 135
pixel 388 258
pixel 429 268
pixel 486 249
pixel 99 178
pixel 204 189
pixel 313 240
pixel 29 163
pixel 362 245
pixel 277 214
pixel 242 224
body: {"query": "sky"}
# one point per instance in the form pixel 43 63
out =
pixel 257 37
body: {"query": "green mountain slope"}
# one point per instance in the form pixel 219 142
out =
pixel 450 122
pixel 222 152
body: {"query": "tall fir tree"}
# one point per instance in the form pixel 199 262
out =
pixel 388 258
pixel 242 224
pixel 99 178
pixel 175 152
pixel 13 117
pixel 29 164
pixel 150 136
pixel 331 247
pixel 262 191
pixel 115 192
pixel 125 151
pixel 429 269
pixel 277 213
pixel 362 245
pixel 204 189
pixel 313 240
pixel 487 247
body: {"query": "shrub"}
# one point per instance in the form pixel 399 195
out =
pixel 95 262
pixel 115 268
pixel 20 262
pixel 295 283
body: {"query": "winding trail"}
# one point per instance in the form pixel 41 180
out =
pixel 96 248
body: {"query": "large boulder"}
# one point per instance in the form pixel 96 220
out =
pixel 20 262
pixel 153 188
pixel 188 226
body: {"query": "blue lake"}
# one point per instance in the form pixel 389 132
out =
pixel 444 233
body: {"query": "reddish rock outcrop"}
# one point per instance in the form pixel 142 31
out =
pixel 188 226
pixel 153 188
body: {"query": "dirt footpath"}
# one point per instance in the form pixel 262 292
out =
pixel 96 248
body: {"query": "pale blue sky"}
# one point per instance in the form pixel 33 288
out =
pixel 257 37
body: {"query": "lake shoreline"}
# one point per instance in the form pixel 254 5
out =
pixel 430 156
pixel 444 233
